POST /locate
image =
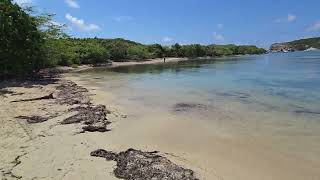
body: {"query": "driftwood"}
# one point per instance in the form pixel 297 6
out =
pixel 50 96
pixel 135 164
pixel 33 119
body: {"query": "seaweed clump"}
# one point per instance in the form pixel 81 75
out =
pixel 139 165
pixel 93 117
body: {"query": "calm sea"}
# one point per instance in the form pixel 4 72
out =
pixel 268 100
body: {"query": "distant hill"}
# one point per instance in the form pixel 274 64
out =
pixel 297 45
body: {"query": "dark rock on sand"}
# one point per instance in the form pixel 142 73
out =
pixel 138 165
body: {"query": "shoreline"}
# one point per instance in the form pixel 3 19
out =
pixel 63 151
pixel 205 145
pixel 57 136
pixel 114 64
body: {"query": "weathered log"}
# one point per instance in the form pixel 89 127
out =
pixel 33 119
pixel 50 96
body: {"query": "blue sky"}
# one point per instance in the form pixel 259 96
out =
pixel 259 22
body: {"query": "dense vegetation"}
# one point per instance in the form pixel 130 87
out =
pixel 304 44
pixel 29 43
pixel 20 41
pixel 297 45
pixel 122 50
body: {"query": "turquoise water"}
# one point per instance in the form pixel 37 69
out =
pixel 275 82
pixel 274 95
pixel 250 112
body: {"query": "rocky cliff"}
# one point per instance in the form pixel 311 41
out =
pixel 281 47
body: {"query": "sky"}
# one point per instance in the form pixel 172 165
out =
pixel 257 22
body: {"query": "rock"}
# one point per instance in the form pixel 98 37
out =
pixel 281 47
pixel 296 45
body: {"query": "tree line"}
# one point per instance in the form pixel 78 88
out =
pixel 31 42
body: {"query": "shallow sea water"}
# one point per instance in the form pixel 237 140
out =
pixel 267 104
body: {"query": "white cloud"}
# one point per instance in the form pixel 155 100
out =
pixel 289 18
pixel 23 2
pixel 81 25
pixel 72 4
pixel 167 39
pixel 123 18
pixel 220 26
pixel 218 37
pixel 314 27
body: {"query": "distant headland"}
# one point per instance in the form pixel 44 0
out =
pixel 297 45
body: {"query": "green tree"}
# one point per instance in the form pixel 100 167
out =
pixel 176 49
pixel 93 54
pixel 20 41
pixel 156 50
pixel 138 53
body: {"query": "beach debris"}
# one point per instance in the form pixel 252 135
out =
pixel 93 117
pixel 70 93
pixel 50 96
pixel 138 165
pixel 4 92
pixel 33 119
pixel 184 107
pixel 8 173
pixel 124 116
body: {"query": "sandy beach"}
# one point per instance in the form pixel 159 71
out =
pixel 149 61
pixel 52 150
pixel 159 90
pixel 134 62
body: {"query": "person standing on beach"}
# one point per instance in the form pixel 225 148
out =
pixel 164 60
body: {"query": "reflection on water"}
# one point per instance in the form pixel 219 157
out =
pixel 175 67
